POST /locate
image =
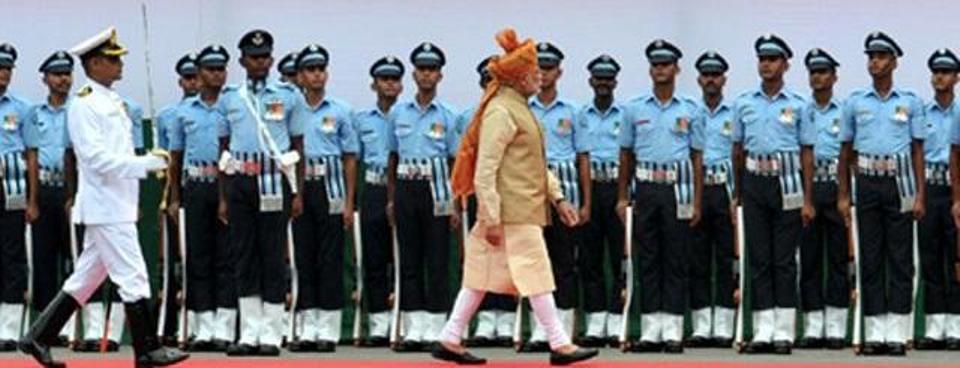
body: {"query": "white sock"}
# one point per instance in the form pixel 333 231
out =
pixel 898 328
pixel 226 324
pixel 545 309
pixel 486 324
pixel 308 322
pixel 875 328
pixel 785 324
pixel 813 324
pixel 651 327
pixel 505 321
pixel 614 324
pixel 723 322
pixel 701 321
pixel 468 300
pixel 93 317
pixel 330 321
pixel 672 329
pixel 763 325
pixel 206 321
pixel 935 326
pixel 596 324
pixel 836 322
pixel 118 319
pixel 953 326
pixel 271 332
pixel 379 324
pixel 251 320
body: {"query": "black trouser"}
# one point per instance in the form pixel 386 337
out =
pixel 210 259
pixel 377 248
pixel 662 243
pixel 13 255
pixel 562 246
pixel 491 301
pixel 424 249
pixel 825 238
pixel 259 240
pixel 772 240
pixel 938 252
pixel 886 247
pixel 318 239
pixel 51 246
pixel 712 249
pixel 603 245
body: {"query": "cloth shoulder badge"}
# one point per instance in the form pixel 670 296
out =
pixel 901 114
pixel 275 110
pixel 10 122
pixel 329 124
pixel 786 116
pixel 437 130
pixel 682 125
pixel 564 126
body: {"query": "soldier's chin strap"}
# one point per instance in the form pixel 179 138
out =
pixel 286 160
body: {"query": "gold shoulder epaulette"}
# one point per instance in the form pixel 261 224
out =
pixel 85 91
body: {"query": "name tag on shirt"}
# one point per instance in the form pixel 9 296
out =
pixel 10 122
pixel 275 110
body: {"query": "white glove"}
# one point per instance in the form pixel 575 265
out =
pixel 154 163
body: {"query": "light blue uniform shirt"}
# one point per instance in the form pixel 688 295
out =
pixel 941 124
pixel 194 130
pixel 164 121
pixel 827 121
pixel 427 133
pixel 46 131
pixel 717 133
pixel 374 128
pixel 882 126
pixel 565 136
pixel 329 129
pixel 13 112
pixel 661 133
pixel 280 106
pixel 768 125
pixel 604 131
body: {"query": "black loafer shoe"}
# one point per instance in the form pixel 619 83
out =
pixel 697 341
pixel 809 343
pixel 896 349
pixel 758 347
pixel 952 344
pixel 440 352
pixel 644 346
pixel 241 350
pixel 535 347
pixel 673 347
pixel 926 343
pixel 326 347
pixel 722 342
pixel 579 355
pixel 873 349
pixel 836 344
pixel 782 347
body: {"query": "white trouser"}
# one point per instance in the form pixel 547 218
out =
pixel 114 250
pixel 468 300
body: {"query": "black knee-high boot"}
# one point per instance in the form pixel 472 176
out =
pixel 45 329
pixel 146 347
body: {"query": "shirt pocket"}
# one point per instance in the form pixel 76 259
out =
pixel 368 136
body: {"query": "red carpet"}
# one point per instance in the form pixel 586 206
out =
pixel 211 363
